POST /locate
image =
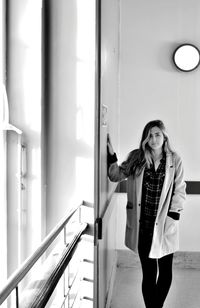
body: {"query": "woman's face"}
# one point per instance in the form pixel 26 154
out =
pixel 156 138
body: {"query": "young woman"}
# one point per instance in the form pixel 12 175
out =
pixel 155 193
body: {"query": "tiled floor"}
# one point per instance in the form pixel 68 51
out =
pixel 184 292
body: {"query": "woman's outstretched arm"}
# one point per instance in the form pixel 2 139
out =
pixel 116 173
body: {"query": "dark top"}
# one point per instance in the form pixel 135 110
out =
pixel 151 191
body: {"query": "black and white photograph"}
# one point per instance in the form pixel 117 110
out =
pixel 99 154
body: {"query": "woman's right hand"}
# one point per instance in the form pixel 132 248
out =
pixel 109 146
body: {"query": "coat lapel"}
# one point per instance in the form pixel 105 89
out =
pixel 139 180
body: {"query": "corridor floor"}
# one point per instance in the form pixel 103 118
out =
pixel 184 292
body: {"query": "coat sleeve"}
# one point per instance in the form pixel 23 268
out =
pixel 117 173
pixel 179 193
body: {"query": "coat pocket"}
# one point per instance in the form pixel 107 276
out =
pixel 171 234
pixel 130 215
pixel 171 226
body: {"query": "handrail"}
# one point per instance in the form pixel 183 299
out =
pixel 45 292
pixel 20 273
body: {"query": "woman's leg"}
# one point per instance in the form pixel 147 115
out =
pixel 149 270
pixel 164 279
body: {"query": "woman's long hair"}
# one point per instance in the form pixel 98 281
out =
pixel 137 159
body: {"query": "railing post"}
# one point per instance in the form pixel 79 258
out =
pixel 65 238
pixel 68 285
pixel 79 212
pixel 17 297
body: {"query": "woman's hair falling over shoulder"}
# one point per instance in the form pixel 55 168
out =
pixel 141 157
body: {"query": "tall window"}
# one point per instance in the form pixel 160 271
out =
pixel 3 211
pixel 20 143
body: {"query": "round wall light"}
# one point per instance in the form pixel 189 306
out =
pixel 186 57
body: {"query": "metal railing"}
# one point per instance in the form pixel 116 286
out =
pixel 20 273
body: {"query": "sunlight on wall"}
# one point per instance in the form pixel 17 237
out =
pixel 3 211
pixel 85 97
pixel 85 126
pixel 1 50
pixel 35 197
pixel 30 35
pixel 85 70
pixel 84 176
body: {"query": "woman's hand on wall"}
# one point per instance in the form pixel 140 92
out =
pixel 109 146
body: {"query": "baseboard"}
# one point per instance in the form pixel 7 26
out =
pixel 111 283
pixel 187 259
pixel 182 259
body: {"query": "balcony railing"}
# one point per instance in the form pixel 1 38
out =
pixel 47 286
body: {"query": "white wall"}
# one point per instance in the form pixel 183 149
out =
pixel 189 225
pixel 70 108
pixel 151 87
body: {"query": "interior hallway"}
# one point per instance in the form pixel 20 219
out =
pixel 184 292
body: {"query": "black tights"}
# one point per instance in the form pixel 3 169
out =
pixel 157 278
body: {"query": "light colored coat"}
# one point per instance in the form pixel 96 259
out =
pixel 166 229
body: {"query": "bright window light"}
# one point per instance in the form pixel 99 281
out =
pixel 30 35
pixel 85 70
pixel 3 208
